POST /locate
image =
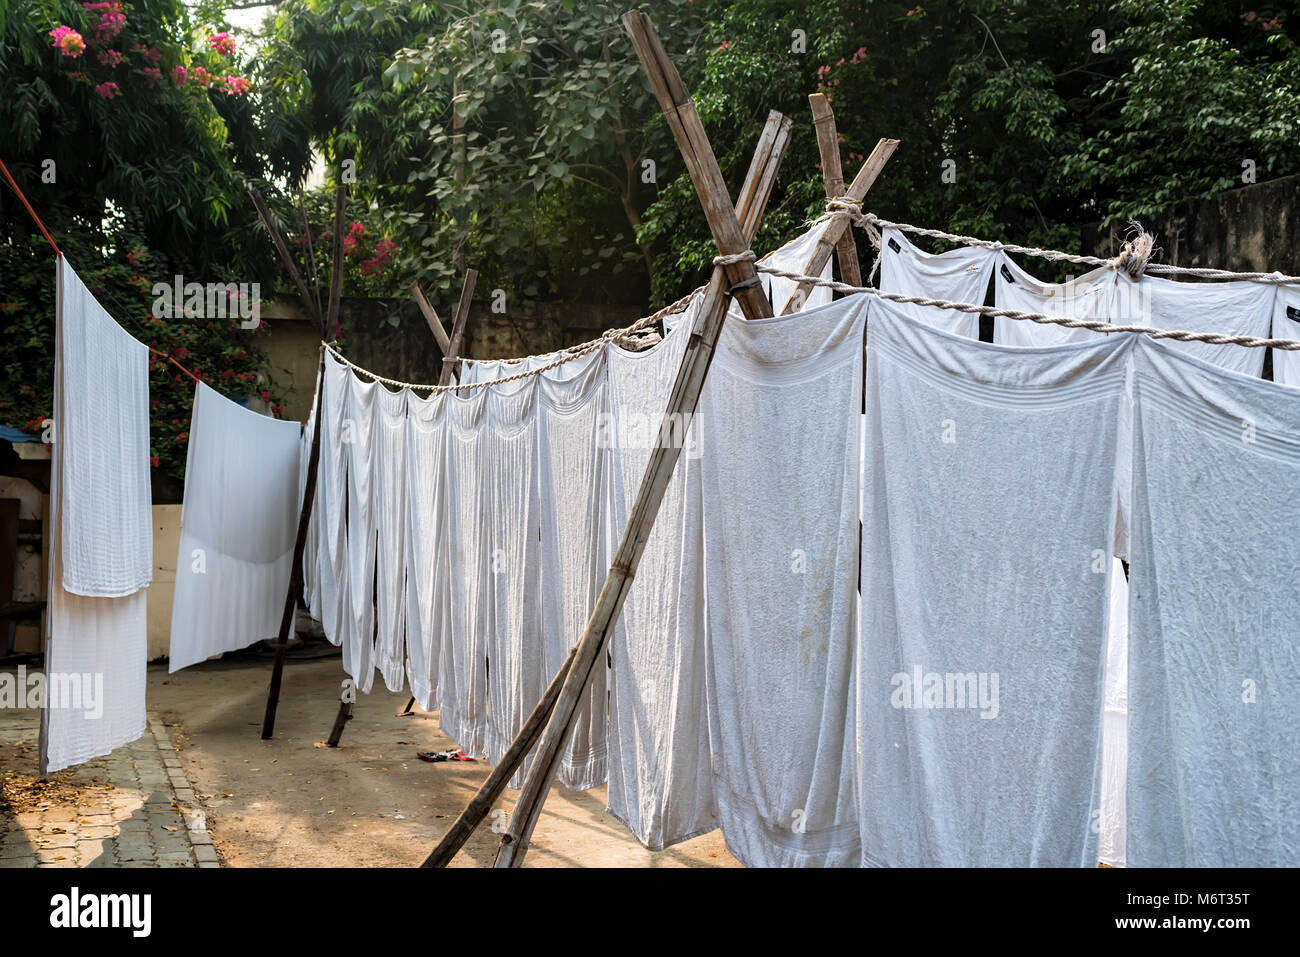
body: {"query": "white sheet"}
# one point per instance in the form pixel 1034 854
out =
pixel 793 257
pixel 358 438
pixel 106 531
pixel 390 526
pixel 959 275
pixel 781 557
pixel 1090 296
pixel 330 602
pixel 1286 325
pixel 988 511
pixel 574 498
pixel 1114 744
pixel 238 526
pixel 1214 655
pixel 660 780
pixel 426 546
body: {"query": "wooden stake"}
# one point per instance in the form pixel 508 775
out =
pixel 451 361
pixel 676 103
pixel 431 317
pixel 839 222
pixel 753 197
pixel 828 144
pixel 286 259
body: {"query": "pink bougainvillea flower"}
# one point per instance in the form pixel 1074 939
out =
pixel 152 74
pixel 223 43
pixel 201 76
pixel 111 19
pixel 68 41
pixel 179 73
pixel 109 58
pixel 234 85
pixel 108 90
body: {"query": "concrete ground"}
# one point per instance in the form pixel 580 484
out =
pixel 291 802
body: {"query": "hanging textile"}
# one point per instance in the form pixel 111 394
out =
pixel 329 598
pixel 1286 325
pixel 1090 296
pixel 101 555
pixel 238 525
pixel 794 257
pixel 516 676
pixel 311 544
pixel 781 558
pixel 660 780
pixel 575 551
pixel 358 438
pixel 106 526
pixel 462 668
pixel 390 527
pixel 1214 655
pixel 426 546
pixel 1114 732
pixel 980 663
pixel 959 275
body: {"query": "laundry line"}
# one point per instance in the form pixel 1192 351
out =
pixel 570 354
pixel 1095 325
pixel 859 218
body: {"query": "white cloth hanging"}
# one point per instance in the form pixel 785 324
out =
pixel 106 522
pixel 1286 325
pixel 1090 296
pixel 516 676
pixel 426 546
pixel 575 551
pixel 462 669
pixel 794 257
pixel 660 780
pixel 238 525
pixel 988 514
pixel 1114 741
pixel 1214 654
pixel 390 527
pixel 311 600
pixel 358 438
pixel 329 599
pixel 781 559
pixel 959 275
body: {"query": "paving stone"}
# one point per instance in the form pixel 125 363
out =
pixel 205 853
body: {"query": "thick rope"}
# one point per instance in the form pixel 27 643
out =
pixel 574 352
pixel 1132 259
pixel 1180 335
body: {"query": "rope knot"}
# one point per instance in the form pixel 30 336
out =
pixel 849 206
pixel 1136 252
pixel 730 259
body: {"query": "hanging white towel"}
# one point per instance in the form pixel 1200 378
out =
pixel 660 781
pixel 311 600
pixel 1214 654
pixel 426 545
pixel 330 601
pixel 572 410
pixel 516 676
pixel 794 257
pixel 982 649
pixel 1114 743
pixel 238 526
pixel 959 275
pixel 781 554
pixel 358 438
pixel 106 529
pixel 390 527
pixel 1286 325
pixel 1090 296
pixel 463 665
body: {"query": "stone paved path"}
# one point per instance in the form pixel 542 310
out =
pixel 131 808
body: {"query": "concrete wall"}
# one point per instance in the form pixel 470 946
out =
pixel 166 540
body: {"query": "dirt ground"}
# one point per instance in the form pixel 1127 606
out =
pixel 291 802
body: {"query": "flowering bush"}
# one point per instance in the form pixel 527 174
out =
pixel 111 20
pixel 223 43
pixel 234 85
pixel 379 261
pixel 107 91
pixel 68 41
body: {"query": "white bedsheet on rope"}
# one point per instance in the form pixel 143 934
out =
pixel 961 275
pixel 781 553
pixel 106 525
pixel 660 778
pixel 1090 296
pixel 426 546
pixel 988 511
pixel 390 484
pixel 329 598
pixel 1286 325
pixel 238 525
pixel 1214 654
pixel 1114 743
pixel 515 653
pixel 311 543
pixel 358 437
pixel 575 548
pixel 794 256
pixel 463 666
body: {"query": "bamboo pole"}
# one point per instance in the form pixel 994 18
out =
pixel 839 222
pixel 737 279
pixel 431 317
pixel 451 361
pixel 750 204
pixel 828 145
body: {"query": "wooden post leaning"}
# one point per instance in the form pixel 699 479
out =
pixel 828 145
pixel 734 278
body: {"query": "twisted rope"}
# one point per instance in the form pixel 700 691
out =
pixel 1180 335
pixel 1132 258
pixel 574 352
